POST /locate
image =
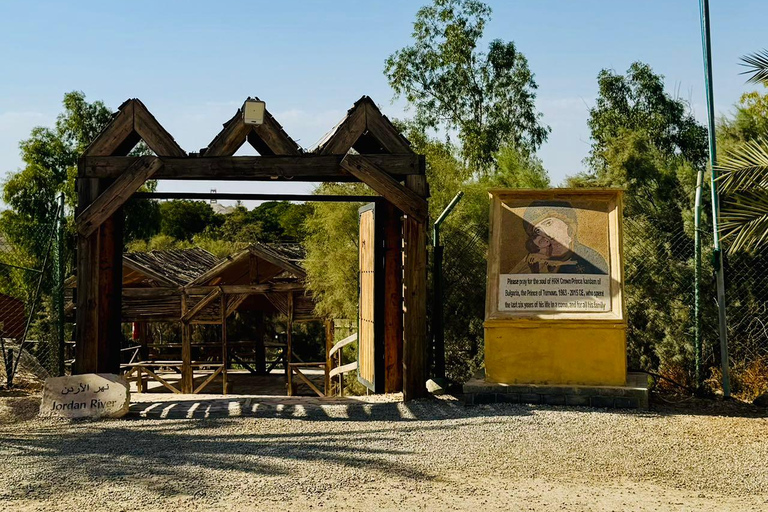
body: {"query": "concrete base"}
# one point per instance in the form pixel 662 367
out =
pixel 632 395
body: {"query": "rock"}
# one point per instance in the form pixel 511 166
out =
pixel 761 401
pixel 91 395
pixel 436 387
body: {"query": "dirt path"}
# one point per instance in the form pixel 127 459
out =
pixel 432 455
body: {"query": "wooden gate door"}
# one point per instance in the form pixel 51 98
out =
pixel 370 349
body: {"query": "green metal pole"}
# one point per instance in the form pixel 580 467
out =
pixel 438 325
pixel 717 253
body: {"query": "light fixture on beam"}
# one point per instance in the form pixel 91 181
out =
pixel 253 111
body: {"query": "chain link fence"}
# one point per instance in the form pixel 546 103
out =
pixel 31 298
pixel 659 284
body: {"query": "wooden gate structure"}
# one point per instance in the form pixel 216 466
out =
pixel 364 147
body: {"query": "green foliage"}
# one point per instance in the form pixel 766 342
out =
pixel 183 219
pixel 332 251
pixel 637 101
pixel 488 98
pixel 743 168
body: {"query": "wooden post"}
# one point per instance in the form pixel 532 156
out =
pixel 260 349
pixel 289 345
pixel 99 278
pixel 415 299
pixel 187 379
pixel 329 335
pixel 224 347
pixel 393 299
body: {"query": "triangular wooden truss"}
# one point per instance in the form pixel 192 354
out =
pixel 366 130
pixel 132 123
pixel 268 138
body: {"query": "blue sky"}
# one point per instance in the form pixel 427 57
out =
pixel 193 62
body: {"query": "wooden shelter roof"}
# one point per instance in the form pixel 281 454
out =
pixel 175 267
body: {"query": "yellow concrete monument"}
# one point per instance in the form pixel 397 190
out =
pixel 554 297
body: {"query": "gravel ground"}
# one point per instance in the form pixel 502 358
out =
pixel 426 455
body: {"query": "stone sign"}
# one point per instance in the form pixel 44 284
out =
pixel 91 395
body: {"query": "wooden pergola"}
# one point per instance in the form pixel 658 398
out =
pixel 364 147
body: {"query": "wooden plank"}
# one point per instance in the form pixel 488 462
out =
pixel 343 369
pixel 343 343
pixel 305 167
pixel 415 300
pixel 117 135
pixel 115 196
pixel 229 289
pixel 235 303
pixel 161 380
pixel 272 136
pixel 201 305
pixel 382 130
pixel 393 299
pixel 87 350
pixel 224 346
pixel 230 138
pixel 207 381
pixel 329 334
pixel 410 203
pixel 345 134
pixel 187 377
pixel 289 345
pixel 307 381
pixel 153 134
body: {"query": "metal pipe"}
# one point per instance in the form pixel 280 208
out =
pixel 718 255
pixel 438 327
pixel 697 278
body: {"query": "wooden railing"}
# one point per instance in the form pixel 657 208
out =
pixel 337 369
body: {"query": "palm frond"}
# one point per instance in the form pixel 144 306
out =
pixel 744 220
pixel 758 67
pixel 744 167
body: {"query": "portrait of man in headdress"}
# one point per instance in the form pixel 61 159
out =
pixel 552 242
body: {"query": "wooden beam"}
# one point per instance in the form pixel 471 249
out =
pixel 306 167
pixel 415 300
pixel 384 131
pixel 229 289
pixel 153 134
pixel 116 135
pixel 235 303
pixel 224 346
pixel 329 335
pixel 230 138
pixel 116 194
pixel 306 380
pixel 289 345
pixel 208 380
pixel 339 370
pixel 187 377
pixel 406 200
pixel 204 302
pixel 272 139
pixel 393 299
pixel 344 135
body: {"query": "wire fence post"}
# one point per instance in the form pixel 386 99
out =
pixel 58 271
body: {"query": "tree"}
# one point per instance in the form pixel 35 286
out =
pixel 744 166
pixel 182 219
pixel 487 98
pixel 50 167
pixel 638 101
